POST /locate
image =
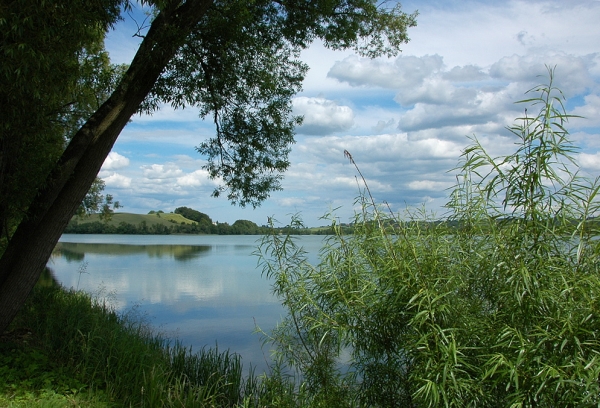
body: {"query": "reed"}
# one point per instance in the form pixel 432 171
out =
pixel 80 350
pixel 495 304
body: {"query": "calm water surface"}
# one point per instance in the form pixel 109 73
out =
pixel 201 290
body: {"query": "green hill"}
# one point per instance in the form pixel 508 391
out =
pixel 135 219
pixel 161 223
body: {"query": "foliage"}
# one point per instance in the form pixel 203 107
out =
pixel 501 310
pixel 163 224
pixel 235 61
pixel 96 202
pixel 240 68
pixel 194 215
pixel 54 74
pixel 245 227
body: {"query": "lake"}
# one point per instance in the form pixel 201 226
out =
pixel 202 290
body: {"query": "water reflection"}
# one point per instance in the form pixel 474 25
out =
pixel 75 252
pixel 47 278
pixel 202 290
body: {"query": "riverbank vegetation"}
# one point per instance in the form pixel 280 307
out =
pixel 503 311
pixel 161 223
pixel 67 348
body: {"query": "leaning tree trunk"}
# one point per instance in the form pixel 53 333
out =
pixel 30 247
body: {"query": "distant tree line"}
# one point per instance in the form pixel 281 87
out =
pixel 202 224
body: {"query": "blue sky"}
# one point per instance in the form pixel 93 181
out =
pixel 405 120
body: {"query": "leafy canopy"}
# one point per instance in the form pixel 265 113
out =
pixel 235 61
pixel 194 215
pixel 240 68
pixel 54 75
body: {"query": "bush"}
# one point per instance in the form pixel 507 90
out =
pixel 497 305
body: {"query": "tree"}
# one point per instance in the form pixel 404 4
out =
pixel 54 74
pixel 204 222
pixel 96 202
pixel 244 227
pixel 194 215
pixel 235 61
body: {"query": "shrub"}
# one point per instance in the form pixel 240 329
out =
pixel 496 305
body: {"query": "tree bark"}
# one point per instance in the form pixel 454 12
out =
pixel 31 245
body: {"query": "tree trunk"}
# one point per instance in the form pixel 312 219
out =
pixel 30 247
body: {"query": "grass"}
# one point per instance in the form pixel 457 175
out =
pixel 68 349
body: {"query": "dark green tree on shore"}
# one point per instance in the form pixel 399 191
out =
pixel 192 214
pixel 234 61
pixel 245 227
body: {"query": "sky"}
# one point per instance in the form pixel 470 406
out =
pixel 405 120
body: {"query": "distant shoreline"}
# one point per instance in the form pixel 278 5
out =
pixel 175 224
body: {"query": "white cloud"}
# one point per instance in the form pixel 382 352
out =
pixel 589 112
pixel 590 161
pixel 390 152
pixel 480 32
pixel 196 179
pixel 405 71
pixel 572 72
pixel 430 185
pixel 291 201
pixel 116 180
pixel 322 116
pixel 405 120
pixel 161 171
pixel 467 73
pixel 437 91
pixel 383 125
pixel 424 116
pixel 115 161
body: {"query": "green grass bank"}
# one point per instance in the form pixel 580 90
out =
pixel 67 349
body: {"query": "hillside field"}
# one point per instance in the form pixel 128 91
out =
pixel 135 219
